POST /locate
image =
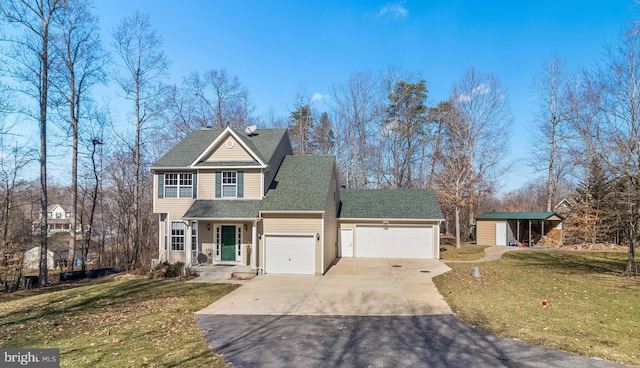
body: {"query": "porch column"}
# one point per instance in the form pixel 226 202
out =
pixel 187 245
pixel 167 239
pixel 542 235
pixel 518 232
pixel 529 232
pixel 254 244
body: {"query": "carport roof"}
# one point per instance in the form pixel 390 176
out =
pixel 519 216
pixel 389 204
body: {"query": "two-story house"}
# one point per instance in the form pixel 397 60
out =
pixel 58 220
pixel 224 196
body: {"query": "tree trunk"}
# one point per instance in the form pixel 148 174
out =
pixel 43 274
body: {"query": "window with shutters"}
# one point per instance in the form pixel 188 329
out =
pixel 178 185
pixel 229 184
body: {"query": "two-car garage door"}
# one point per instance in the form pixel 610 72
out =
pixel 394 241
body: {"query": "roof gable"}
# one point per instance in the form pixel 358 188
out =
pixel 389 204
pixel 228 146
pixel 194 150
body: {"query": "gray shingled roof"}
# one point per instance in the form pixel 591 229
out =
pixel 263 143
pixel 239 208
pixel 301 184
pixel 389 204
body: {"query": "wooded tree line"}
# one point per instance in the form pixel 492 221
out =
pixel 380 127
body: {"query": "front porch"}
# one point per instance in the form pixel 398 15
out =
pixel 208 242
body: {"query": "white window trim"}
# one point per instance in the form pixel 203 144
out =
pixel 171 236
pixel 218 243
pixel 234 185
pixel 178 185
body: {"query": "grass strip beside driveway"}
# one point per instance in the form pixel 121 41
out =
pixel 117 322
pixel 566 300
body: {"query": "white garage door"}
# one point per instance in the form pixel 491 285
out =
pixel 394 241
pixel 290 254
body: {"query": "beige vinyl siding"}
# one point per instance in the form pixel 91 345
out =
pixel 207 183
pixel 175 207
pixel 291 224
pixel 252 184
pixel 177 256
pixel 223 153
pixel 486 232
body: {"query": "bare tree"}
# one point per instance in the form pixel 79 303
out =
pixel 454 178
pixel 83 62
pixel 225 100
pixel 144 65
pixel 32 54
pixel 483 106
pixel 617 137
pixel 302 123
pixel 356 109
pixel 554 103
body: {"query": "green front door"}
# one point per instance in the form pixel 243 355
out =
pixel 228 243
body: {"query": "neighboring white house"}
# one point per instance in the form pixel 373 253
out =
pixel 31 259
pixel 58 220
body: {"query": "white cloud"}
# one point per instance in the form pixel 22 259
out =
pixel 482 89
pixel 396 11
pixel 318 97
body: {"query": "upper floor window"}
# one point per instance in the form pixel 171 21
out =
pixel 58 215
pixel 229 184
pixel 178 185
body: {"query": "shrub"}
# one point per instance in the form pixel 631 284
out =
pixel 166 270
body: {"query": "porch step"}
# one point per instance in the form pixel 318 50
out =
pixel 224 272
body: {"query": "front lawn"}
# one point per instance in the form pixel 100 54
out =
pixel 567 300
pixel 119 322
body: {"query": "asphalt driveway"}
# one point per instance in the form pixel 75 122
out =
pixel 362 313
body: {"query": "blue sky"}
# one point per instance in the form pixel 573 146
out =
pixel 275 47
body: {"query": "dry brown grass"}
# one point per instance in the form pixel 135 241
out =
pixel 120 322
pixel 567 300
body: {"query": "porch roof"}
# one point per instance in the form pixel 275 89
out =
pixel 214 209
pixel 520 216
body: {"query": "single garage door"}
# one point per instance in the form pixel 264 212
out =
pixel 394 241
pixel 290 254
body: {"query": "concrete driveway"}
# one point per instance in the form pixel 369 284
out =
pixel 352 287
pixel 362 313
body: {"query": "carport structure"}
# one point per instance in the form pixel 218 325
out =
pixel 521 228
